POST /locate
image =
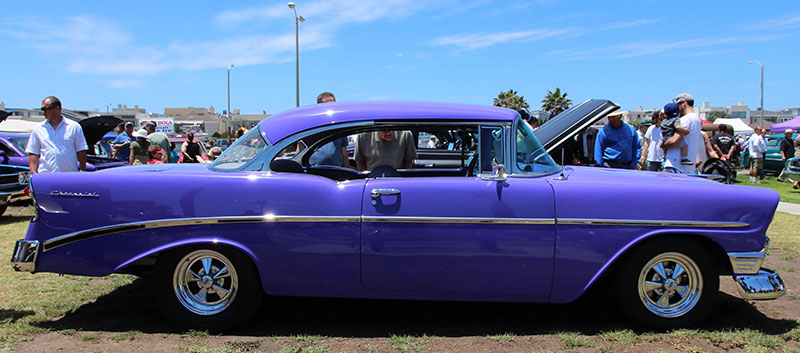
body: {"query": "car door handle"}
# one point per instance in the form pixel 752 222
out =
pixel 376 193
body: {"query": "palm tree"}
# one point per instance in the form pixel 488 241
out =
pixel 555 102
pixel 511 100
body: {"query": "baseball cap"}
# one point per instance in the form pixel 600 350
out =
pixel 128 124
pixel 157 150
pixel 672 110
pixel 683 97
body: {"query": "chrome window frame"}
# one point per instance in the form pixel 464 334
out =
pixel 273 151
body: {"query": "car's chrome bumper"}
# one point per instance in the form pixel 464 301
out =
pixel 765 285
pixel 24 256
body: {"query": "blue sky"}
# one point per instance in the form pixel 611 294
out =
pixel 161 54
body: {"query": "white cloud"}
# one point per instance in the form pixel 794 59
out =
pixel 93 45
pixel 692 47
pixel 127 83
pixel 471 41
pixel 780 23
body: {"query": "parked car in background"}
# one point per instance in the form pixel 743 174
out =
pixel 773 160
pixel 12 145
pixel 13 180
pixel 497 220
pixel 177 142
pixel 221 143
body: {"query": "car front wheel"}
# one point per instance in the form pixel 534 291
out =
pixel 668 284
pixel 212 288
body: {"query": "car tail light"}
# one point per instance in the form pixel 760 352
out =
pixel 27 191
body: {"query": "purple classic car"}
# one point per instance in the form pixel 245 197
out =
pixel 12 145
pixel 496 220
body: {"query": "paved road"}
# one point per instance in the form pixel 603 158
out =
pixel 788 207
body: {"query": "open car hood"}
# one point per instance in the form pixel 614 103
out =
pixel 95 127
pixel 564 126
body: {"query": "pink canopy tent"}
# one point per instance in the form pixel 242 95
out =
pixel 791 124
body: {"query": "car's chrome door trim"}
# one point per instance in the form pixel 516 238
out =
pixel 62 240
pixel 457 220
pixel 650 223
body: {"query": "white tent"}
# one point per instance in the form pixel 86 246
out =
pixel 739 127
pixel 18 126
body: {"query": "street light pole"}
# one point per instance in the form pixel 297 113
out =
pixel 229 103
pixel 762 90
pixel 297 20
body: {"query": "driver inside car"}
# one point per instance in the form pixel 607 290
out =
pixel 385 147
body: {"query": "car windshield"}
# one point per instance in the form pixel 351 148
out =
pixel 531 156
pixel 242 150
pixel 19 142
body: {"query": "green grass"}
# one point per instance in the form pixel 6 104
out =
pixel 732 339
pixel 574 340
pixel 306 338
pixel 784 189
pixel 623 337
pixel 92 337
pixel 505 337
pixel 126 336
pixel 408 343
pixel 782 232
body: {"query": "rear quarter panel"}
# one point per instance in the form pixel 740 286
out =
pixel 584 251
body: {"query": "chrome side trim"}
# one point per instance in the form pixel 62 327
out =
pixel 65 239
pixel 650 223
pixel 746 262
pixel 458 220
pixel 24 256
pixel 766 284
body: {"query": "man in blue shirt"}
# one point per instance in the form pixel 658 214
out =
pixel 617 144
pixel 122 143
pixel 334 152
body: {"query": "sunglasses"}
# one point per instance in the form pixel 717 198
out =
pixel 44 109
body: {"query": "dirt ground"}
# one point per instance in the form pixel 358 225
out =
pixel 127 320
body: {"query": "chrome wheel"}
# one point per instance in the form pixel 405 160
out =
pixel 670 285
pixel 205 282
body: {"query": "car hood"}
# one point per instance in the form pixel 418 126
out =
pixel 95 128
pixel 564 126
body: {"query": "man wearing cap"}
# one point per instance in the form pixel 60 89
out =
pixel 617 144
pixel 57 144
pixel 694 140
pixel 159 139
pixel 122 143
pixel 787 150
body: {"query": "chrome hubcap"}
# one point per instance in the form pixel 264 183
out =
pixel 670 285
pixel 205 282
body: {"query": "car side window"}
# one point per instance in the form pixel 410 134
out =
pixel 530 156
pixel 491 148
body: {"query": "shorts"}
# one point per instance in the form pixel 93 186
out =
pixel 757 162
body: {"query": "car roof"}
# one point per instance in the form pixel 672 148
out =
pixel 14 134
pixel 282 125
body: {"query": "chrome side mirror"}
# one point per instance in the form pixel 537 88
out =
pixel 498 173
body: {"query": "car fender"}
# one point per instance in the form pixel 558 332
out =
pixel 186 243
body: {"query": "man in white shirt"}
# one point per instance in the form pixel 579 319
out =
pixel 756 146
pixel 694 140
pixel 652 144
pixel 57 144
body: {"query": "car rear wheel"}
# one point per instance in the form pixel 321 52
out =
pixel 667 283
pixel 213 288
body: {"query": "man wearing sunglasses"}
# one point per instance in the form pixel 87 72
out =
pixel 57 144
